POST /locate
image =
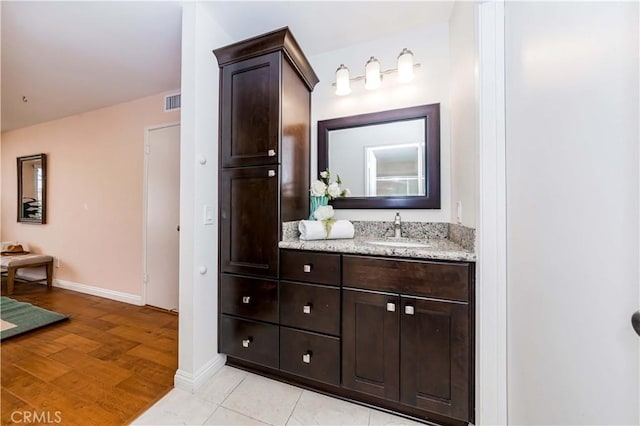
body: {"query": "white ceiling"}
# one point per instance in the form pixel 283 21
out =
pixel 72 57
pixel 321 26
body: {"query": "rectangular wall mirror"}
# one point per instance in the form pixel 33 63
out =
pixel 32 188
pixel 388 159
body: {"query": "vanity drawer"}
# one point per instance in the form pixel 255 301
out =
pixel 310 355
pixel 249 297
pixel 320 268
pixel 420 278
pixel 311 307
pixel 249 340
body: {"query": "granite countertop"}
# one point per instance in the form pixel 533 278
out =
pixel 438 244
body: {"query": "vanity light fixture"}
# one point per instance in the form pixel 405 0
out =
pixel 405 66
pixel 373 75
pixel 343 84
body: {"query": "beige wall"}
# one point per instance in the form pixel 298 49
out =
pixel 94 192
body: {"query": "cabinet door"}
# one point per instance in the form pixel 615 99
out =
pixel 370 343
pixel 249 111
pixel 435 356
pixel 249 221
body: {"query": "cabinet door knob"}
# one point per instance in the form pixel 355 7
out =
pixel 245 342
pixel 307 268
pixel 306 309
pixel 271 153
pixel 306 358
pixel 271 173
pixel 391 307
pixel 246 299
pixel 409 310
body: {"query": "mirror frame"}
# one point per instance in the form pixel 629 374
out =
pixel 431 199
pixel 43 160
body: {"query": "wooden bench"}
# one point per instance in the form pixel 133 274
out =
pixel 12 263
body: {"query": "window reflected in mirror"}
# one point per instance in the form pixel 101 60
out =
pixel 394 170
pixel 32 178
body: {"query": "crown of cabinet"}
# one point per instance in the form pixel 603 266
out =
pixel 278 40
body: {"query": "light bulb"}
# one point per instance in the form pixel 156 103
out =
pixel 342 81
pixel 372 74
pixel 405 66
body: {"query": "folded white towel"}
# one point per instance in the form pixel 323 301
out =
pixel 315 230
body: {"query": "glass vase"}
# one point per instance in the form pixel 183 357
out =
pixel 315 203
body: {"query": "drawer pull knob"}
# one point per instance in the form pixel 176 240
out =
pixel 271 153
pixel 391 307
pixel 307 268
pixel 306 309
pixel 271 173
pixel 245 342
pixel 246 299
pixel 409 310
pixel 306 358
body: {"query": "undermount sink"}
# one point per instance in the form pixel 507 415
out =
pixel 403 244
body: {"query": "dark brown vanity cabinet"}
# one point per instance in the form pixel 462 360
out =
pixel 265 113
pixel 249 111
pixel 371 336
pixel 249 221
pixel 310 315
pixel 392 332
pixel 412 345
pixel 395 333
pixel 407 349
pixel 435 356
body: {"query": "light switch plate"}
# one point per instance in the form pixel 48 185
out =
pixel 209 215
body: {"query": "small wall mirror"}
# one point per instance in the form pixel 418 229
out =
pixel 32 188
pixel 388 159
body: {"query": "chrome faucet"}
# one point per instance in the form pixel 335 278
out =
pixel 397 226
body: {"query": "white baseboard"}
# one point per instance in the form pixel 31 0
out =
pixel 100 292
pixel 192 382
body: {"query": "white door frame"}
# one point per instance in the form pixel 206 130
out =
pixel 145 182
pixel 491 289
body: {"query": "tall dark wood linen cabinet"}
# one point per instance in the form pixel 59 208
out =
pixel 265 117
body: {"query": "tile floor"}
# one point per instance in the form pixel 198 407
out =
pixel 235 397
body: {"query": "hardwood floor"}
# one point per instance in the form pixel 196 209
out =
pixel 105 366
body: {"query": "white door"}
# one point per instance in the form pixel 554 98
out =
pixel 572 109
pixel 162 217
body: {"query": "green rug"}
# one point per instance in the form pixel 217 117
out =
pixel 19 317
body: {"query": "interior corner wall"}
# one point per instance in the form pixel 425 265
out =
pixel 464 118
pixel 430 46
pixel 198 331
pixel 94 192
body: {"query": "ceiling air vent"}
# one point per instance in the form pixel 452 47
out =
pixel 172 102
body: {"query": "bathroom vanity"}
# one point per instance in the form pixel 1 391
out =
pixel 388 323
pixel 384 325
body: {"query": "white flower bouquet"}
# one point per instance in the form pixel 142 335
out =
pixel 325 188
pixel 322 191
